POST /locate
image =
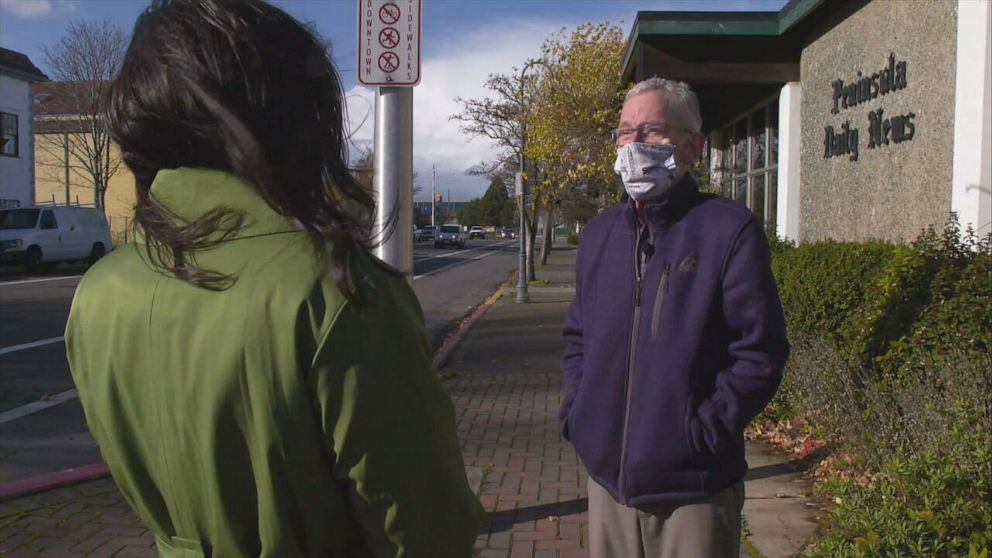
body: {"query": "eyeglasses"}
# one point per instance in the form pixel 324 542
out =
pixel 650 133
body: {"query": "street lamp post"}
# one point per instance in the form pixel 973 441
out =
pixel 521 191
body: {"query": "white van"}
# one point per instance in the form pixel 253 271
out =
pixel 36 236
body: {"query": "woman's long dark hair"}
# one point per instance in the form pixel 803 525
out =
pixel 239 86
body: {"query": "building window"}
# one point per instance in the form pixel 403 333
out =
pixel 8 134
pixel 748 165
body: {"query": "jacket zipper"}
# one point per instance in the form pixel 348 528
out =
pixel 628 377
pixel 659 301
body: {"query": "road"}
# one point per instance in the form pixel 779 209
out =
pixel 42 428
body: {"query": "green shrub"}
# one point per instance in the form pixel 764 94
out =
pixel 573 238
pixel 877 419
pixel 932 503
pixel 823 283
pixel 891 363
pixel 925 445
pixel 918 280
pixel 958 317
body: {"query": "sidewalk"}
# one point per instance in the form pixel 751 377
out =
pixel 505 382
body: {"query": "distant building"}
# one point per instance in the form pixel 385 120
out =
pixel 61 176
pixel 842 119
pixel 17 78
pixel 444 212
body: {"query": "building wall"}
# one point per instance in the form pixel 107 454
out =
pixel 851 191
pixel 51 184
pixel 15 172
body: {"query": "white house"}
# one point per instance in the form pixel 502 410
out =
pixel 17 76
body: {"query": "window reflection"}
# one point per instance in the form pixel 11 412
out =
pixel 771 213
pixel 773 134
pixel 749 162
pixel 758 137
pixel 758 197
pixel 740 147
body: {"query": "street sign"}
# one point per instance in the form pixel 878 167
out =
pixel 389 42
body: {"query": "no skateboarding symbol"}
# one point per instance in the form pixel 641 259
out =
pixel 389 42
pixel 388 62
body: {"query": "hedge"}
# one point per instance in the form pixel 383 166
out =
pixel 891 365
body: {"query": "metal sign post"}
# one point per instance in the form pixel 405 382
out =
pixel 389 57
pixel 392 180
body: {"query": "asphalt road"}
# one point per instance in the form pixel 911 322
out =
pixel 42 428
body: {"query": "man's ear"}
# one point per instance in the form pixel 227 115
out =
pixel 698 141
pixel 695 149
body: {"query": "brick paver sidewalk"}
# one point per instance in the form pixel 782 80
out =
pixel 88 519
pixel 507 392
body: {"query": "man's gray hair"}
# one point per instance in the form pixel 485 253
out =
pixel 681 97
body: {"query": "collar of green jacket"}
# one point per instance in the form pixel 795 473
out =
pixel 190 193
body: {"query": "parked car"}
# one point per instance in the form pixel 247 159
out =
pixel 508 232
pixel 41 236
pixel 476 232
pixel 418 234
pixel 450 234
pixel 428 233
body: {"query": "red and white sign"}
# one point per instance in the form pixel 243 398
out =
pixel 389 42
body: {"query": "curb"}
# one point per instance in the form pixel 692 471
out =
pixel 84 473
pixel 48 481
pixel 456 337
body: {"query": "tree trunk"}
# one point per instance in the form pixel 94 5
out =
pixel 549 227
pixel 529 242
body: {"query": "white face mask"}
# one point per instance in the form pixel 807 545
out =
pixel 647 169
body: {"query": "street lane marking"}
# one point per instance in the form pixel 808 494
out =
pixel 446 254
pixel 31 408
pixel 31 345
pixel 440 269
pixel 8 283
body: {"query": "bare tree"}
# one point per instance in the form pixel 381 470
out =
pixel 498 118
pixel 85 60
pixel 501 117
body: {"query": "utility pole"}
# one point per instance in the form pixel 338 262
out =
pixel 433 195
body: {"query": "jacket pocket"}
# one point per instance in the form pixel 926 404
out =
pixel 698 448
pixel 659 302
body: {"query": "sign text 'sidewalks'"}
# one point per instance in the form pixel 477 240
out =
pixel 389 42
pixel 883 129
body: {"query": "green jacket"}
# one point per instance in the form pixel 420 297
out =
pixel 273 418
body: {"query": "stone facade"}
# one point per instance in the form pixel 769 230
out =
pixel 905 54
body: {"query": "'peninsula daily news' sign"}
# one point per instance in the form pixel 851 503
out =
pixel 389 42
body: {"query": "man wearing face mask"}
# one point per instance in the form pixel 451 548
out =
pixel 675 341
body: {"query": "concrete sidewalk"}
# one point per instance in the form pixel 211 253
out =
pixel 505 381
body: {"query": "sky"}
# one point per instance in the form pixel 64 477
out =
pixel 463 42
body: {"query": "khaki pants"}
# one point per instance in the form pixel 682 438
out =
pixel 706 528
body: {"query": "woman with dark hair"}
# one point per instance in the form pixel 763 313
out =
pixel 258 383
